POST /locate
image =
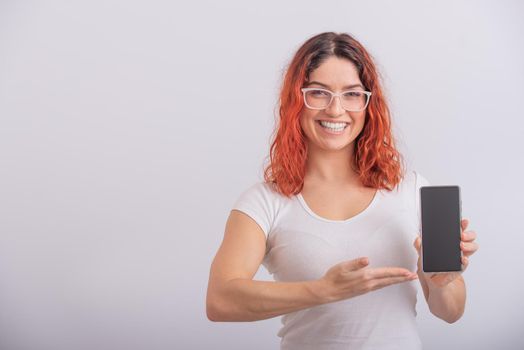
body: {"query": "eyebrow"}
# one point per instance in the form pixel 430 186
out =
pixel 345 87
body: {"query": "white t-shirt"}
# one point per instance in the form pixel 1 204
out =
pixel 300 245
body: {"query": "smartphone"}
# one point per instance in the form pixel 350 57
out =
pixel 440 208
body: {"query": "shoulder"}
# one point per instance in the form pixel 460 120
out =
pixel 410 184
pixel 414 179
pixel 260 196
pixel 261 190
pixel 261 202
pixel 420 180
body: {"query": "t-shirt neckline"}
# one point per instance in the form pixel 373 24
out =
pixel 370 206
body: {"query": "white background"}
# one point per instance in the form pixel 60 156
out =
pixel 128 129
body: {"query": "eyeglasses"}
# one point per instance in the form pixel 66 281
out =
pixel 351 100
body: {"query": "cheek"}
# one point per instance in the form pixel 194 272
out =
pixel 359 121
pixel 306 119
pixel 307 114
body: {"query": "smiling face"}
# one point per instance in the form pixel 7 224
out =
pixel 335 74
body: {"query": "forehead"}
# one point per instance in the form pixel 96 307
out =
pixel 336 72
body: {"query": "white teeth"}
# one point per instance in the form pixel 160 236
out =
pixel 333 126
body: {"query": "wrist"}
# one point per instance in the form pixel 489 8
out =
pixel 320 291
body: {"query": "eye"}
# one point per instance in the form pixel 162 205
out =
pixel 319 93
pixel 353 94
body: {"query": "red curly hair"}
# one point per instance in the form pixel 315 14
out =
pixel 378 163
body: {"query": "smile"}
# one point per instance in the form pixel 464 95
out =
pixel 333 126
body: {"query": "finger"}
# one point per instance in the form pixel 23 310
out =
pixel 355 264
pixel 417 243
pixel 464 224
pixel 469 236
pixel 386 272
pixel 468 248
pixel 384 282
pixel 465 263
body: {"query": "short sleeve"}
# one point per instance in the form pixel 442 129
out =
pixel 419 182
pixel 259 203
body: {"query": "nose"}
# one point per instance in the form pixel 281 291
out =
pixel 335 107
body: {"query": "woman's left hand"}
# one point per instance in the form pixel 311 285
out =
pixel 468 247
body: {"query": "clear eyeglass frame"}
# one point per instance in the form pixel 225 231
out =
pixel 333 95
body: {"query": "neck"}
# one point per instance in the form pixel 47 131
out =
pixel 331 167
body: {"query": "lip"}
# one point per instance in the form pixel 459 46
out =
pixel 333 121
pixel 329 132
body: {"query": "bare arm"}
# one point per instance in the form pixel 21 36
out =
pixel 448 301
pixel 232 295
pixel 249 300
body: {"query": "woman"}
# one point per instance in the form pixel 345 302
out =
pixel 336 220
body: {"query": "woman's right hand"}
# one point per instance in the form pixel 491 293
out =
pixel 350 278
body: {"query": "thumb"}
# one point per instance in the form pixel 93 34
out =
pixel 356 264
pixel 417 243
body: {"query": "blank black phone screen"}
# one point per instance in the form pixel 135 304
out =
pixel 440 225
